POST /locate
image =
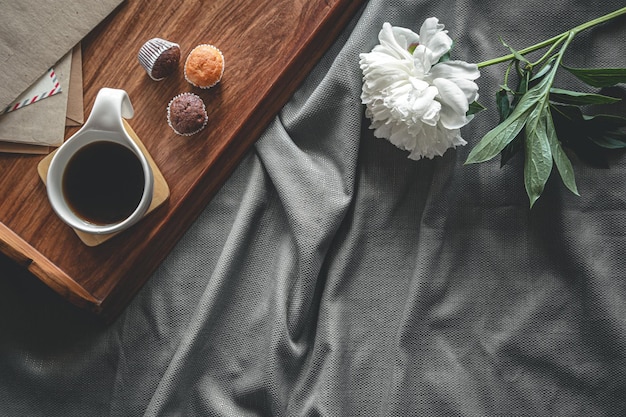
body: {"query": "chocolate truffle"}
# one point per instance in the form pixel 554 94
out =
pixel 159 57
pixel 186 114
pixel 204 66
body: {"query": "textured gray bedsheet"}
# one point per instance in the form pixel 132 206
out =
pixel 332 276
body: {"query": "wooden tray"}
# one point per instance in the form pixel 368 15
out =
pixel 269 47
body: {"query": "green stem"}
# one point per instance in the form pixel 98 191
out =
pixel 556 38
pixel 548 54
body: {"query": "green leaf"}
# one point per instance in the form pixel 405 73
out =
pixel 511 149
pixel 475 107
pixel 604 121
pixel 579 98
pixel 611 140
pixel 522 87
pixel 565 168
pixel 445 57
pixel 599 77
pixel 544 70
pixel 503 104
pixel 499 137
pixel 563 164
pixel 496 139
pixel 505 107
pixel 538 161
pixel 576 134
pixel 605 130
pixel 515 53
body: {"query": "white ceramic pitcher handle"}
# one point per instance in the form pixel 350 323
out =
pixel 110 106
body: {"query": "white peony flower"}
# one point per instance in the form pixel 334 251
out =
pixel 416 102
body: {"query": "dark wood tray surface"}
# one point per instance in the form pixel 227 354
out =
pixel 269 47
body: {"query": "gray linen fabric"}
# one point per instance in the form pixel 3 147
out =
pixel 332 276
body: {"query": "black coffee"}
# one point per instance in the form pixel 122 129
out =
pixel 103 182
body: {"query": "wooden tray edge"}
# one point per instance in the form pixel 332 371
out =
pixel 18 250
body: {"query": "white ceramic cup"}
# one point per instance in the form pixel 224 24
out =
pixel 104 124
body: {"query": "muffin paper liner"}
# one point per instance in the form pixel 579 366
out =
pixel 206 117
pixel 150 51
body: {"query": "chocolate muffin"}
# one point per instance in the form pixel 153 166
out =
pixel 186 114
pixel 159 57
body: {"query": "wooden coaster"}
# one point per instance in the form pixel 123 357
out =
pixel 160 195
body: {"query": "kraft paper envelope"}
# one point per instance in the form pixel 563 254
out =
pixel 35 34
pixel 75 107
pixel 47 85
pixel 74 113
pixel 41 123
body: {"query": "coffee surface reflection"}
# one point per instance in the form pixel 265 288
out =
pixel 103 182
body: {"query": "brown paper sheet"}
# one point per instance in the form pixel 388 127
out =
pixel 41 123
pixel 23 148
pixel 35 34
pixel 75 107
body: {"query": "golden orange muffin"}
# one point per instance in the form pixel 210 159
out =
pixel 204 66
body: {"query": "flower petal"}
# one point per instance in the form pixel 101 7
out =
pixel 421 61
pixel 470 88
pixel 455 69
pixel 434 38
pixel 405 37
pixel 451 95
pixel 432 114
pixel 454 103
pixel 390 45
pixel 450 119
